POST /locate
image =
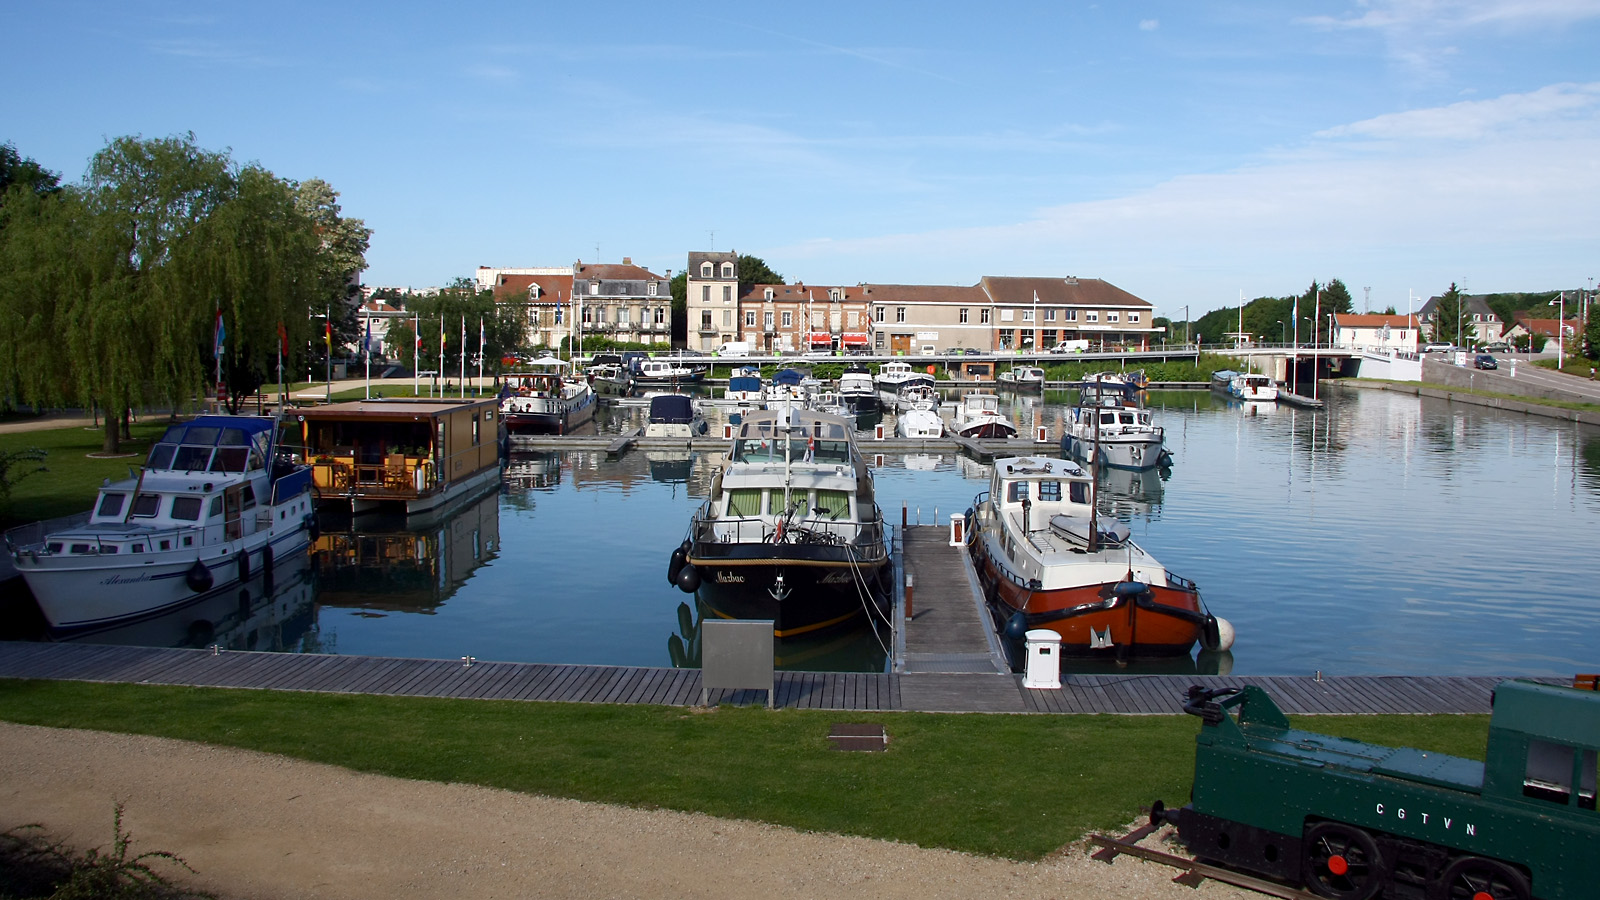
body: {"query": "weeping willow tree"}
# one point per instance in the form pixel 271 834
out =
pixel 112 289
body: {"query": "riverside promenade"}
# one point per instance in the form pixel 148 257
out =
pixel 845 692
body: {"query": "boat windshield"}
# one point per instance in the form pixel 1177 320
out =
pixel 204 448
pixel 800 449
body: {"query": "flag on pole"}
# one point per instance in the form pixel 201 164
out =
pixel 366 342
pixel 327 336
pixel 220 335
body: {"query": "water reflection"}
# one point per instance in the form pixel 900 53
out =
pixel 860 647
pixel 384 564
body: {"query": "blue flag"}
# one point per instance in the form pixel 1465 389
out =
pixel 221 334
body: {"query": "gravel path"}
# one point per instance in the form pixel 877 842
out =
pixel 262 826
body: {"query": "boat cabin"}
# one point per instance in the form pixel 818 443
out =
pixel 1033 494
pixel 412 453
pixel 799 461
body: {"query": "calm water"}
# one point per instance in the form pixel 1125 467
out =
pixel 1383 535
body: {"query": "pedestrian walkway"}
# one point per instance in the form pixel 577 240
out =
pixel 856 692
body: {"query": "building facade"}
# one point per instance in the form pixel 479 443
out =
pixel 1375 332
pixel 712 301
pixel 1479 323
pixel 788 318
pixel 623 302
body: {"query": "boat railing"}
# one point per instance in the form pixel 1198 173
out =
pixel 1181 583
pixel 33 538
pixel 390 478
pixel 865 537
pixel 32 535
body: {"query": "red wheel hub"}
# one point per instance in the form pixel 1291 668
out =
pixel 1338 866
pixel 1482 895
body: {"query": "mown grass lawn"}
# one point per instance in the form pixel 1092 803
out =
pixel 1008 786
pixel 73 476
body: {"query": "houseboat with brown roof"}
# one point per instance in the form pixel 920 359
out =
pixel 401 455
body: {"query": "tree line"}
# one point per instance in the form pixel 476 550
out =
pixel 164 264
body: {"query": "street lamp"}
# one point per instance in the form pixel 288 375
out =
pixel 1561 331
pixel 1283 332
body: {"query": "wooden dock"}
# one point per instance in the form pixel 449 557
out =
pixel 852 692
pixel 951 658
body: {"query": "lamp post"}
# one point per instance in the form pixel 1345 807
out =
pixel 1561 332
pixel 1283 332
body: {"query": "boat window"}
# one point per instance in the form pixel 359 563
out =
pixel 1079 492
pixel 744 502
pixel 186 508
pixel 81 548
pixel 216 507
pixel 202 434
pixel 1016 491
pixel 147 505
pixel 1108 418
pixel 249 496
pixel 161 456
pixel 1127 418
pixel 111 504
pixel 233 437
pixel 137 548
pixel 166 545
pixel 833 504
pixel 190 458
pixel 54 547
pixel 109 548
pixel 229 459
pixel 1549 773
pixel 1049 490
pixel 174 434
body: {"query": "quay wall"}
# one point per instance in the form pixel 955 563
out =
pixel 1444 392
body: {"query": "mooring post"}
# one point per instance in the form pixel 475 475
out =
pixel 902 515
pixel 910 581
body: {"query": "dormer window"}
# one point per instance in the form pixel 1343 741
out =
pixel 835 295
pixel 767 294
pixel 705 270
pixel 650 289
pixel 594 288
pixel 533 292
pixel 727 270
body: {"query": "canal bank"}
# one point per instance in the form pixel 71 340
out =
pixel 1460 387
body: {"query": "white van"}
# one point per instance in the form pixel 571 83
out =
pixel 734 348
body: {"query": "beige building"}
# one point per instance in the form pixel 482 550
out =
pixel 1377 332
pixel 788 318
pixel 1008 314
pixel 623 301
pixel 712 302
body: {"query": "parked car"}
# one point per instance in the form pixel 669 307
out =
pixel 1499 347
pixel 1438 347
pixel 1485 361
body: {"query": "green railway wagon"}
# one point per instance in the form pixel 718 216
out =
pixel 1353 821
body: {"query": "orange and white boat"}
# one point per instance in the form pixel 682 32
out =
pixel 1047 559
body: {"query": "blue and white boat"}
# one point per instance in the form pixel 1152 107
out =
pixel 211 507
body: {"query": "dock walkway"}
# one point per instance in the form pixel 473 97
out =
pixel 852 692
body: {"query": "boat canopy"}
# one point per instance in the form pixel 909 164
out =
pixel 671 409
pixel 240 444
pixel 788 377
pixel 744 383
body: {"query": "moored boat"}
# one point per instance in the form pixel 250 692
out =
pixel 545 402
pixel 667 372
pixel 858 391
pixel 895 376
pixel 674 416
pixel 1047 559
pixel 407 456
pixel 213 504
pixel 791 531
pixel 978 416
pixel 1021 378
pixel 1109 427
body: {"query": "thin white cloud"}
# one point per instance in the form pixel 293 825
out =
pixel 1439 15
pixel 1497 208
pixel 1149 24
pixel 216 52
pixel 493 73
pixel 1550 106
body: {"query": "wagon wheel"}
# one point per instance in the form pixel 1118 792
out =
pixel 1476 878
pixel 1342 862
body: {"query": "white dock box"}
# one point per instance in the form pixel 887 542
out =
pixel 1043 648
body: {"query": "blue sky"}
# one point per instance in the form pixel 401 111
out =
pixel 1184 151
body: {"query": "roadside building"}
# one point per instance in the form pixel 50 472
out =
pixel 545 296
pixel 1479 323
pixel 374 317
pixel 1008 314
pixel 624 302
pixel 788 318
pixel 1376 332
pixel 1524 325
pixel 712 302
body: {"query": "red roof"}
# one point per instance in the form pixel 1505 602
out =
pixel 551 287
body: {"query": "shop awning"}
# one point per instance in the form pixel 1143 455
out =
pixel 820 337
pixel 849 339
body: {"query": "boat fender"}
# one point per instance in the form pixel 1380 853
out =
pixel 689 579
pixel 198 578
pixel 1216 635
pixel 1017 626
pixel 243 558
pixel 312 526
pixel 676 564
pixel 1130 588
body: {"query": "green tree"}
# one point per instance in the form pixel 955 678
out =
pixel 462 306
pixel 679 286
pixel 25 173
pixel 344 244
pixel 753 270
pixel 1447 316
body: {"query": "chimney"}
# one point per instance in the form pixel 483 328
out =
pixel 627 260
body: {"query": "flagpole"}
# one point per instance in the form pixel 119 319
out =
pixel 463 357
pixel 441 357
pixel 217 347
pixel 327 343
pixel 478 388
pixel 416 356
pixel 366 353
